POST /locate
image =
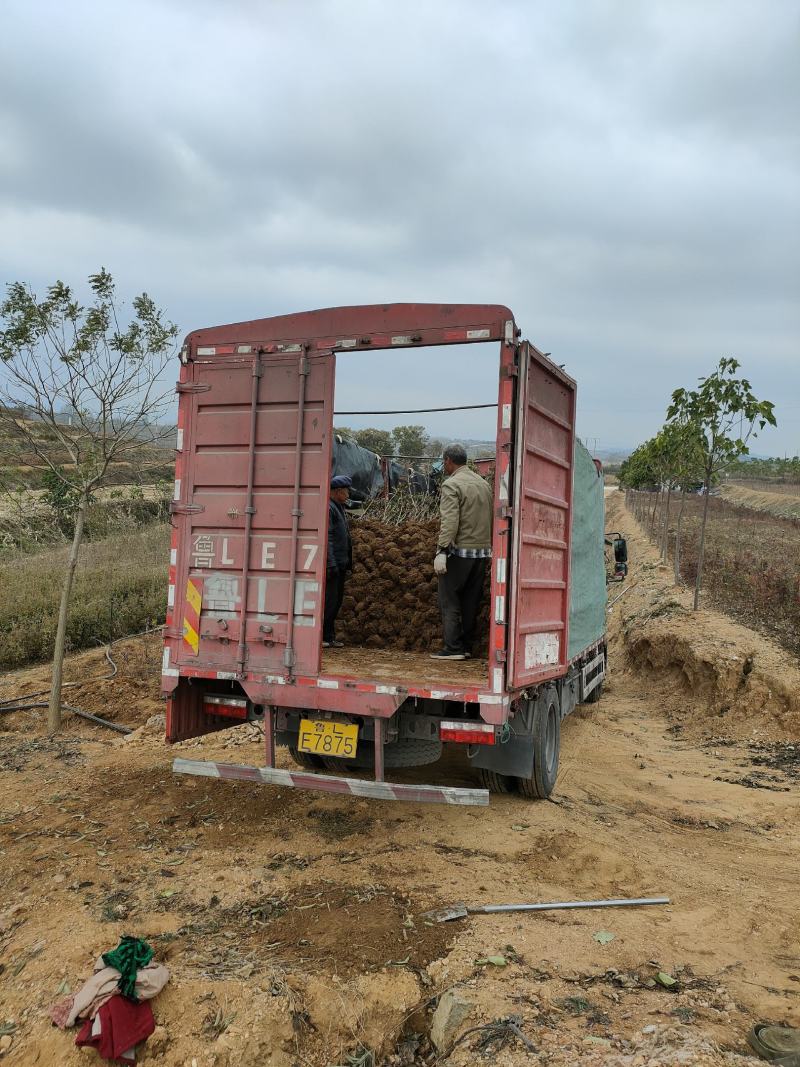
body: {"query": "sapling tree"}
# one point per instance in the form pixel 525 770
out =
pixel 80 393
pixel 687 471
pixel 676 459
pixel 725 414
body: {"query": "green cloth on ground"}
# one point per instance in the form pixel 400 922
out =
pixel 129 955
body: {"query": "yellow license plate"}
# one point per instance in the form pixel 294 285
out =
pixel 328 738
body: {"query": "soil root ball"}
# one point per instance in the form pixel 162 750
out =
pixel 390 597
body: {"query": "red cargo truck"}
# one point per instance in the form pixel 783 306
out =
pixel 247 567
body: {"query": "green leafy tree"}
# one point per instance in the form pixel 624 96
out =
pixel 637 476
pixel 410 441
pixel 58 356
pixel 725 414
pixel 677 462
pixel 637 471
pixel 378 441
pixel 773 469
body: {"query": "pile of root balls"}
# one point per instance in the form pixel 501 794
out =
pixel 391 598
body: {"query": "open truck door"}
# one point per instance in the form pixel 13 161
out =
pixel 252 521
pixel 544 438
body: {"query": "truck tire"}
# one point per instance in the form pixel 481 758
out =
pixel 495 782
pixel 413 752
pixel 306 759
pixel 546 746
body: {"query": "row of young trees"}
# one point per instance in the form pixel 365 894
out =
pixel 707 430
pixel 781 471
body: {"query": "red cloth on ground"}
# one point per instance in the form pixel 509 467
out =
pixel 118 1026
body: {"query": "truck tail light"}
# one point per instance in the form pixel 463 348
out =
pixel 230 707
pixel 468 733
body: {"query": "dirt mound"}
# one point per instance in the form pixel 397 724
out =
pixel 780 500
pixel 391 597
pixel 715 676
pixel 125 690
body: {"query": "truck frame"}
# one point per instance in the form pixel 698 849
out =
pixel 247 563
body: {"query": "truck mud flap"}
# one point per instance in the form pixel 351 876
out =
pixel 357 787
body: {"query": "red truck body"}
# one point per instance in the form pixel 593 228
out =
pixel 250 512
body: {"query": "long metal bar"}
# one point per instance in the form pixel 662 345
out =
pixel 494 909
pixel 249 511
pixel 621 595
pixel 357 787
pixel 289 657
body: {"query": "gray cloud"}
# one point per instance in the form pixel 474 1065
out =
pixel 624 175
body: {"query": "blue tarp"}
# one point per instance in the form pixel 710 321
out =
pixel 363 466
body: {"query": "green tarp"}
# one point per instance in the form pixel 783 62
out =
pixel 587 602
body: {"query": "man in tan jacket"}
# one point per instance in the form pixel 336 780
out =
pixel 464 547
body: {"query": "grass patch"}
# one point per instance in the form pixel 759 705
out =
pixel 120 588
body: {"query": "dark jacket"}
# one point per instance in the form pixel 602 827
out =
pixel 340 547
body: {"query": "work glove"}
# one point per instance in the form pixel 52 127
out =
pixel 440 563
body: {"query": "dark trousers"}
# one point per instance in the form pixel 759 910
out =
pixel 460 592
pixel 334 594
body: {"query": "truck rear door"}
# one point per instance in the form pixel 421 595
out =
pixel 544 427
pixel 236 602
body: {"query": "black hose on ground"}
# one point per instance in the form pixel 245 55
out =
pixel 31 696
pixel 75 711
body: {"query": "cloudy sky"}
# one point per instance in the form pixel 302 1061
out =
pixel 622 173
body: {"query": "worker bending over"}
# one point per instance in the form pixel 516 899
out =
pixel 465 545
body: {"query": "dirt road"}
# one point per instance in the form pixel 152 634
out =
pixel 292 922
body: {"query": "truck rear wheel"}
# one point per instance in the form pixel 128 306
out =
pixel 410 752
pixel 546 746
pixel 306 759
pixel 495 782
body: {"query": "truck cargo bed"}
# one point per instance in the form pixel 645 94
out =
pixel 403 667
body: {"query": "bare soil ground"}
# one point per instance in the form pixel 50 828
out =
pixel 292 923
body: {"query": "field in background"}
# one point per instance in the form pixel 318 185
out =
pixel 752 562
pixel 778 499
pixel 120 588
